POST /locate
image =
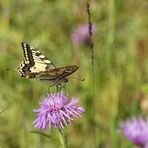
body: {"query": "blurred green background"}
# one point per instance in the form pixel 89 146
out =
pixel 120 68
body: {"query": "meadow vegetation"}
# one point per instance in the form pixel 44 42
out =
pixel 120 68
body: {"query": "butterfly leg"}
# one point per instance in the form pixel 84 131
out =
pixel 49 88
pixel 61 81
pixel 58 88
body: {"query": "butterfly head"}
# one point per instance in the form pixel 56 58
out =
pixel 65 80
pixel 70 69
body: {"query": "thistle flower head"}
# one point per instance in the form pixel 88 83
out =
pixel 136 130
pixel 81 35
pixel 57 110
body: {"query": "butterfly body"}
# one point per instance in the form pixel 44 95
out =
pixel 36 65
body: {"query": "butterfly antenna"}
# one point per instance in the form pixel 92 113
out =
pixel 77 78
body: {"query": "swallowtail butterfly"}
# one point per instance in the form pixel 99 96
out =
pixel 36 65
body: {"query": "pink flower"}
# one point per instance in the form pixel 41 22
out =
pixel 136 130
pixel 81 35
pixel 56 109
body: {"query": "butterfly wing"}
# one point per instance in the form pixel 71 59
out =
pixel 36 65
pixel 58 75
pixel 37 61
pixel 34 62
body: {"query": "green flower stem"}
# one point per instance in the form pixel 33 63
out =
pixel 63 139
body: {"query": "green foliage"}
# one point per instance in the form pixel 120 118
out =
pixel 120 67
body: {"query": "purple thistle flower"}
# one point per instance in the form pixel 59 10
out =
pixel 81 35
pixel 136 130
pixel 56 109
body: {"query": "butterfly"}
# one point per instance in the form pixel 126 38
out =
pixel 36 65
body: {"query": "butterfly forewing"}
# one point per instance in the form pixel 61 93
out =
pixel 36 65
pixel 28 55
pixel 36 60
